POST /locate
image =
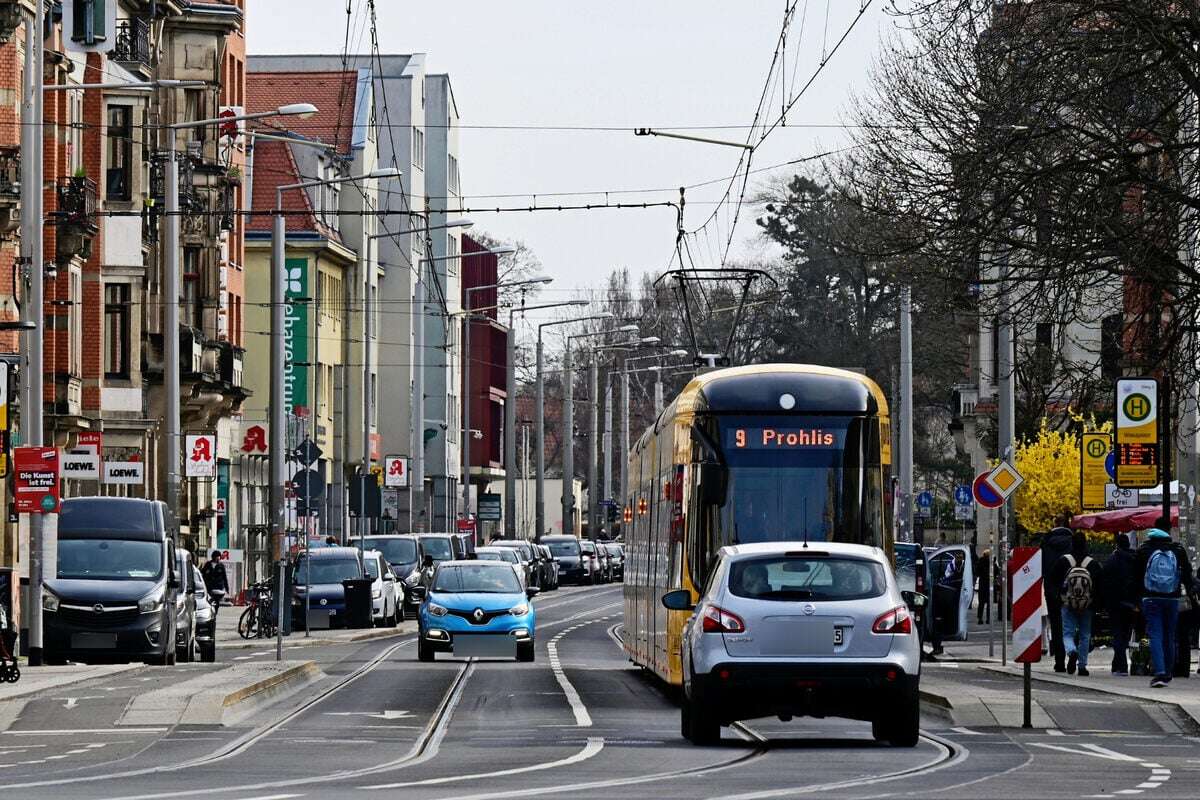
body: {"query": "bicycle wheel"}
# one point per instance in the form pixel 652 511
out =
pixel 248 623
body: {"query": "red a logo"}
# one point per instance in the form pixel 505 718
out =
pixel 201 451
pixel 397 468
pixel 255 440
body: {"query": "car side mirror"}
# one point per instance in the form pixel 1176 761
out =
pixel 914 599
pixel 678 600
pixel 418 591
pixel 531 591
pixel 389 578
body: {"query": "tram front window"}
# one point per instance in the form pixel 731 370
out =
pixel 800 478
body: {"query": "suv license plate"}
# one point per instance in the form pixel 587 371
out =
pixel 837 637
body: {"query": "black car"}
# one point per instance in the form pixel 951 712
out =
pixel 442 546
pixel 403 552
pixel 549 567
pixel 616 557
pixel 115 592
pixel 572 567
pixel 317 586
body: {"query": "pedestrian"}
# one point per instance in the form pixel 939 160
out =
pixel 983 583
pixel 216 581
pixel 330 541
pixel 1161 571
pixel 1117 569
pixel 1055 545
pixel 1079 579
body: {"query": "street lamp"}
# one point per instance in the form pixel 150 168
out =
pixel 539 427
pixel 467 396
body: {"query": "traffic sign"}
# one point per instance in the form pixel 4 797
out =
pixel 1094 449
pixel 924 504
pixel 307 452
pixel 964 512
pixel 366 498
pixel 962 495
pixel 1137 441
pixel 1026 571
pixel 1005 479
pixel 985 494
pixel 1116 497
pixel 200 460
pixel 377 471
pixel 36 488
pixel 307 485
pixel 395 474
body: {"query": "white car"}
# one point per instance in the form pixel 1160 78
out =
pixel 384 606
pixel 786 629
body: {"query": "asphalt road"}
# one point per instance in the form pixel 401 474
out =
pixel 579 722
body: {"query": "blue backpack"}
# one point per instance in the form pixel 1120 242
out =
pixel 1162 572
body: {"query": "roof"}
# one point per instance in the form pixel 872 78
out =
pixel 333 552
pixel 832 390
pixel 793 546
pixel 333 93
pixel 274 165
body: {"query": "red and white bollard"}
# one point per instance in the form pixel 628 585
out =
pixel 1026 573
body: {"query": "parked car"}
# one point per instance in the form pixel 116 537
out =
pixel 113 597
pixel 593 561
pixel 549 567
pixel 508 555
pixel 830 617
pixel 385 611
pixel 319 575
pixel 464 545
pixel 442 546
pixel 477 608
pixel 529 559
pixel 573 567
pixel 403 552
pixel 206 620
pixel 616 557
pixel 185 607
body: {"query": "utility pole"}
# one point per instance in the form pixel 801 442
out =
pixel 906 416
pixel 539 447
pixel 417 492
pixel 172 443
pixel 593 441
pixel 568 468
pixel 658 392
pixel 608 442
pixel 624 457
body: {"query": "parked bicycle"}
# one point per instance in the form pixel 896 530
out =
pixel 258 620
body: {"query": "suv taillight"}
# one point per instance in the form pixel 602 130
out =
pixel 898 620
pixel 718 620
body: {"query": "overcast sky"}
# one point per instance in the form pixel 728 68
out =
pixel 622 63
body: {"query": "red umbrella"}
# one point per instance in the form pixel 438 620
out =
pixel 1123 520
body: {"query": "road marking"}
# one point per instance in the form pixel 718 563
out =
pixel 1054 732
pixel 75 731
pixel 582 718
pixel 593 747
pixel 272 797
pixel 968 732
pixel 387 714
pixel 1093 750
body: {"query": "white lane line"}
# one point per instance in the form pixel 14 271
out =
pixel 1054 732
pixel 1129 791
pixel 76 731
pixel 582 718
pixel 1095 751
pixel 968 732
pixel 593 747
pixel 272 797
pixel 1149 785
pixel 1113 754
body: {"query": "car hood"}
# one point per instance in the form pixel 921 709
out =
pixel 404 569
pixel 85 592
pixel 468 601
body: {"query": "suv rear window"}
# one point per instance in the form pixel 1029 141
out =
pixel 801 577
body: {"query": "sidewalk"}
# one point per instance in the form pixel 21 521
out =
pixel 39 679
pixel 229 639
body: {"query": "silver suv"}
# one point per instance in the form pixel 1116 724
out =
pixel 785 630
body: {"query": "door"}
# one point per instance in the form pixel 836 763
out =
pixel 951 588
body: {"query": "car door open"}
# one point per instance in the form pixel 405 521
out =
pixel 952 586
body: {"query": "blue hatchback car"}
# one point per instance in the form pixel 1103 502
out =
pixel 476 608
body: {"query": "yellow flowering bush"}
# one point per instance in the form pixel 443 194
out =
pixel 1049 463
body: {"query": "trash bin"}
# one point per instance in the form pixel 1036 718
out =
pixel 358 602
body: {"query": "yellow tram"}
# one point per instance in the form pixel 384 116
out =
pixel 769 452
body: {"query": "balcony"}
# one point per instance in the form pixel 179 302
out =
pixel 10 189
pixel 158 182
pixel 132 46
pixel 12 15
pixel 76 217
pixel 230 363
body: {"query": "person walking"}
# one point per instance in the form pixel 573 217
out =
pixel 216 581
pixel 1117 569
pixel 1079 578
pixel 1055 545
pixel 1161 571
pixel 983 584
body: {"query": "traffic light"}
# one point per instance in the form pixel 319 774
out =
pixel 614 513
pixel 372 504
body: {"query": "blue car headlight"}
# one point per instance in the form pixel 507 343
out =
pixel 519 611
pixel 436 610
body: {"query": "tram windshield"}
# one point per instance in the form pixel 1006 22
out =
pixel 793 478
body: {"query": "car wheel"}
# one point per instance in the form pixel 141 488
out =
pixel 525 651
pixel 697 724
pixel 400 612
pixel 424 650
pixel 904 726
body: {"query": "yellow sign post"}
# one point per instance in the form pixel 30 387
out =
pixel 1093 471
pixel 1137 445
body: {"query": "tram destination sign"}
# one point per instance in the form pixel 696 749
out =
pixel 783 438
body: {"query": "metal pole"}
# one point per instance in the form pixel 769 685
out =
pixel 1028 716
pixel 525 478
pixel 906 416
pixel 608 415
pixel 171 365
pixel 1005 627
pixel 510 432
pixel 539 447
pixel 658 393
pixel 568 462
pixel 367 407
pixel 32 167
pixel 624 457
pixel 417 492
pixel 593 455
pixel 277 411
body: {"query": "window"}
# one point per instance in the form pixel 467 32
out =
pixel 193 310
pixel 418 148
pixel 75 132
pixel 452 175
pixel 74 323
pixel 373 310
pixel 118 178
pixel 374 400
pixel 1112 329
pixel 87 21
pixel 116 330
pixel 452 251
pixel 193 111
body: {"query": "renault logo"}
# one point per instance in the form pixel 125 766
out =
pixel 478 615
pixel 809 609
pixel 99 609
pixel 324 601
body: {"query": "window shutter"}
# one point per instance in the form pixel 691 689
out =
pixel 88 19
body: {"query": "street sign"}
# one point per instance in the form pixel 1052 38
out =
pixel 377 471
pixel 395 474
pixel 307 453
pixel 1116 497
pixel 124 473
pixel 962 495
pixel 985 494
pixel 35 490
pixel 924 504
pixel 1137 443
pixel 308 486
pixel 80 465
pixel 1094 449
pixel 1005 479
pixel 964 512
pixel 466 526
pixel 366 498
pixel 1026 571
pixel 488 507
pixel 200 459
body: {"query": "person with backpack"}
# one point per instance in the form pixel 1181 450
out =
pixel 1055 545
pixel 1117 569
pixel 1078 577
pixel 1161 571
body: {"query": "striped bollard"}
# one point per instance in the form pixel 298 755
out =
pixel 1026 571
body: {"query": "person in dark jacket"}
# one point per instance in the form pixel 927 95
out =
pixel 983 585
pixel 1055 545
pixel 1117 569
pixel 215 578
pixel 1076 623
pixel 1159 596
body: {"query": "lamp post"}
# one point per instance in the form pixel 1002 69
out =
pixel 510 419
pixel 277 409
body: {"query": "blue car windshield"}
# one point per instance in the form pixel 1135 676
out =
pixel 477 578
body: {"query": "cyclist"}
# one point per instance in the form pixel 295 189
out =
pixel 216 582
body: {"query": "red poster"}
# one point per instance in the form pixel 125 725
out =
pixel 35 490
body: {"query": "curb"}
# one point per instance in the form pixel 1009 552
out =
pixel 27 670
pixel 294 641
pixel 308 671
